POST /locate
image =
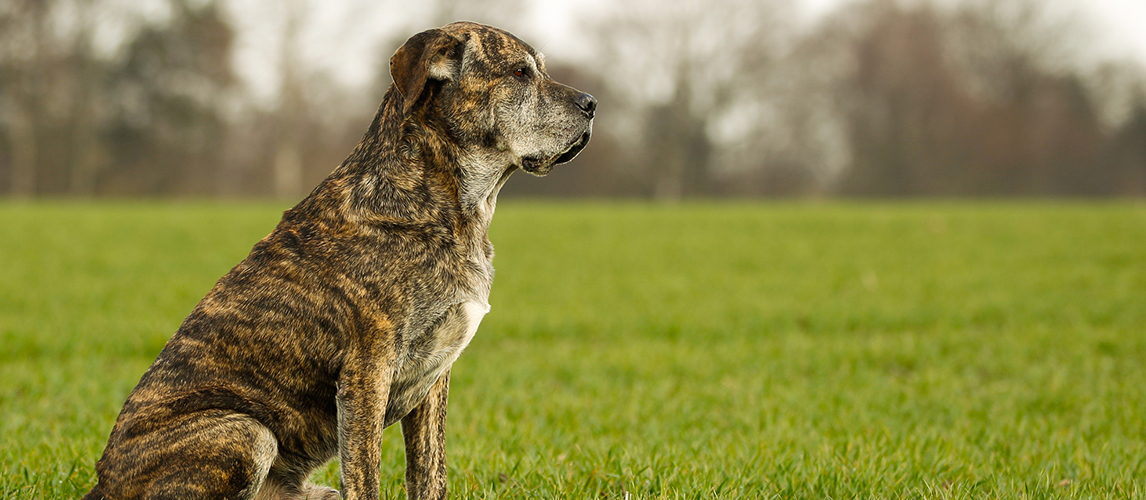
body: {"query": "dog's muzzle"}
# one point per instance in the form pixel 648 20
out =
pixel 574 148
pixel 541 166
pixel 587 104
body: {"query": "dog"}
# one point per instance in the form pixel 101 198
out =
pixel 349 315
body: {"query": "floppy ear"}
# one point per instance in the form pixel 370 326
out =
pixel 427 55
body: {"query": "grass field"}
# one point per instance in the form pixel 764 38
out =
pixel 797 350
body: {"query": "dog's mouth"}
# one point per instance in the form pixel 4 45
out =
pixel 541 166
pixel 574 149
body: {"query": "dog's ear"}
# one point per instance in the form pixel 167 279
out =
pixel 429 55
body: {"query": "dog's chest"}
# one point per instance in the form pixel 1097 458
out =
pixel 452 335
pixel 430 353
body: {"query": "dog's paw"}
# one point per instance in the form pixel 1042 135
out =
pixel 314 492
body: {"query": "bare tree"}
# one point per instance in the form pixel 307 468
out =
pixel 167 130
pixel 79 119
pixel 292 113
pixel 25 59
pixel 971 98
pixel 1126 150
pixel 903 105
pixel 51 107
pixel 683 67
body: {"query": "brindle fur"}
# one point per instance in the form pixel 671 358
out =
pixel 348 316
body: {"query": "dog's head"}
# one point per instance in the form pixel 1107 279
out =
pixel 492 93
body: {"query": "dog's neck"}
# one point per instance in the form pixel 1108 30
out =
pixel 401 174
pixel 482 176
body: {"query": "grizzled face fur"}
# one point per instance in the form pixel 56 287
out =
pixel 489 89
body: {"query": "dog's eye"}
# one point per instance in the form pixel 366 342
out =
pixel 520 72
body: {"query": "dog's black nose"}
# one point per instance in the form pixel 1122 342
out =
pixel 587 103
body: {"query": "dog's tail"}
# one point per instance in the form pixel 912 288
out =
pixel 95 494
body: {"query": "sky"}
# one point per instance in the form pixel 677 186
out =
pixel 344 37
pixel 1122 23
pixel 1126 20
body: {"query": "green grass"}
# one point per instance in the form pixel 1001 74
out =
pixel 796 350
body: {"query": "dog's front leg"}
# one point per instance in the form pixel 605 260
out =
pixel 424 431
pixel 363 389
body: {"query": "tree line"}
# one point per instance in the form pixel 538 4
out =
pixel 698 99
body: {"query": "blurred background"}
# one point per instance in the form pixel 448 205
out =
pixel 699 98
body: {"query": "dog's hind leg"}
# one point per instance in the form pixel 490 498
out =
pixel 207 455
pixel 225 456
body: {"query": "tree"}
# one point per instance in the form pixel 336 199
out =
pixel 1126 151
pixel 966 102
pixel 22 24
pixel 167 129
pixel 904 103
pixel 683 68
pixel 1020 61
pixel 82 116
pixel 48 104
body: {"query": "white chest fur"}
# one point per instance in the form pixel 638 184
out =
pixel 429 355
pixel 471 315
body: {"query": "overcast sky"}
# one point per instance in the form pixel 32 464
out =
pixel 344 36
pixel 1122 22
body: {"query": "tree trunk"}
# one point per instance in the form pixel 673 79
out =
pixel 22 136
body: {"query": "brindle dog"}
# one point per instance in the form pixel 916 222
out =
pixel 348 316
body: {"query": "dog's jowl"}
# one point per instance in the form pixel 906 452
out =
pixel 348 316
